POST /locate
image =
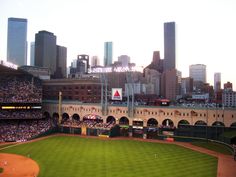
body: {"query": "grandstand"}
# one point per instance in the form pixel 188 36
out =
pixel 21 115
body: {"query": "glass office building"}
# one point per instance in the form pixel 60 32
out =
pixel 169 45
pixel 108 53
pixel 16 41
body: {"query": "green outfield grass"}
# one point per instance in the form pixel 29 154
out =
pixel 214 147
pixel 64 156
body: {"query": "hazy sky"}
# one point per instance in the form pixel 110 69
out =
pixel 205 29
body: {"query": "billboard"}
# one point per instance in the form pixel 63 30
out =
pixel 116 94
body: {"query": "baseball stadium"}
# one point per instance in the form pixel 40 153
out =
pixel 66 138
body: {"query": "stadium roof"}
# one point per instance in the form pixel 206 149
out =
pixel 8 70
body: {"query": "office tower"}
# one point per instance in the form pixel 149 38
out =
pixel 228 86
pixel 79 66
pixel 169 45
pixel 198 72
pixel 95 61
pixel 217 82
pixel 157 63
pixel 16 41
pixel 169 84
pixel 32 46
pixel 46 50
pixel 187 86
pixel 153 77
pixel 229 98
pixel 108 53
pixel 61 62
pixel 85 60
pixel 124 60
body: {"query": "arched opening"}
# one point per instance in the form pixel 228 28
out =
pixel 124 126
pixel 124 121
pixel 200 123
pixel 152 122
pixel 167 123
pixel 218 124
pixel 65 117
pixel 183 122
pixel 233 125
pixel 75 117
pixel 111 119
pixel 55 117
pixel 152 128
pixel 46 115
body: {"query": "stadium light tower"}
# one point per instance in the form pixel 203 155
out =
pixel 60 106
pixel 130 104
pixel 104 104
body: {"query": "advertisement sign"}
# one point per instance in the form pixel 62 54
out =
pixel 116 94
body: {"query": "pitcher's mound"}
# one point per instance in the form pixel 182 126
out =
pixel 18 166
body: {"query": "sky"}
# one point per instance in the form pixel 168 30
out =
pixel 205 29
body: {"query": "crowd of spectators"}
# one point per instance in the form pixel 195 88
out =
pixel 23 130
pixel 88 123
pixel 20 114
pixel 20 89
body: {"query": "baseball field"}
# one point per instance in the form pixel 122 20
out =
pixel 63 156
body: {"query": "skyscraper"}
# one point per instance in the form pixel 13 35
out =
pixel 124 60
pixel 61 62
pixel 95 61
pixel 32 46
pixel 16 41
pixel 46 50
pixel 169 45
pixel 198 72
pixel 169 84
pixel 108 53
pixel 217 82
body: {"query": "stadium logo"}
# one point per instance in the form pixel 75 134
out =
pixel 116 94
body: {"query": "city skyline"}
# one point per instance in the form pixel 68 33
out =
pixel 136 29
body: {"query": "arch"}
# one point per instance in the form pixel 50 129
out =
pixel 55 115
pixel 168 123
pixel 201 123
pixel 183 122
pixel 233 125
pixel 65 117
pixel 152 122
pixel 46 115
pixel 124 121
pixel 218 124
pixel 75 117
pixel 110 119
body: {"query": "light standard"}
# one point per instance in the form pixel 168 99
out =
pixel 206 122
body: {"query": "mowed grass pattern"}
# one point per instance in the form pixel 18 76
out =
pixel 64 156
